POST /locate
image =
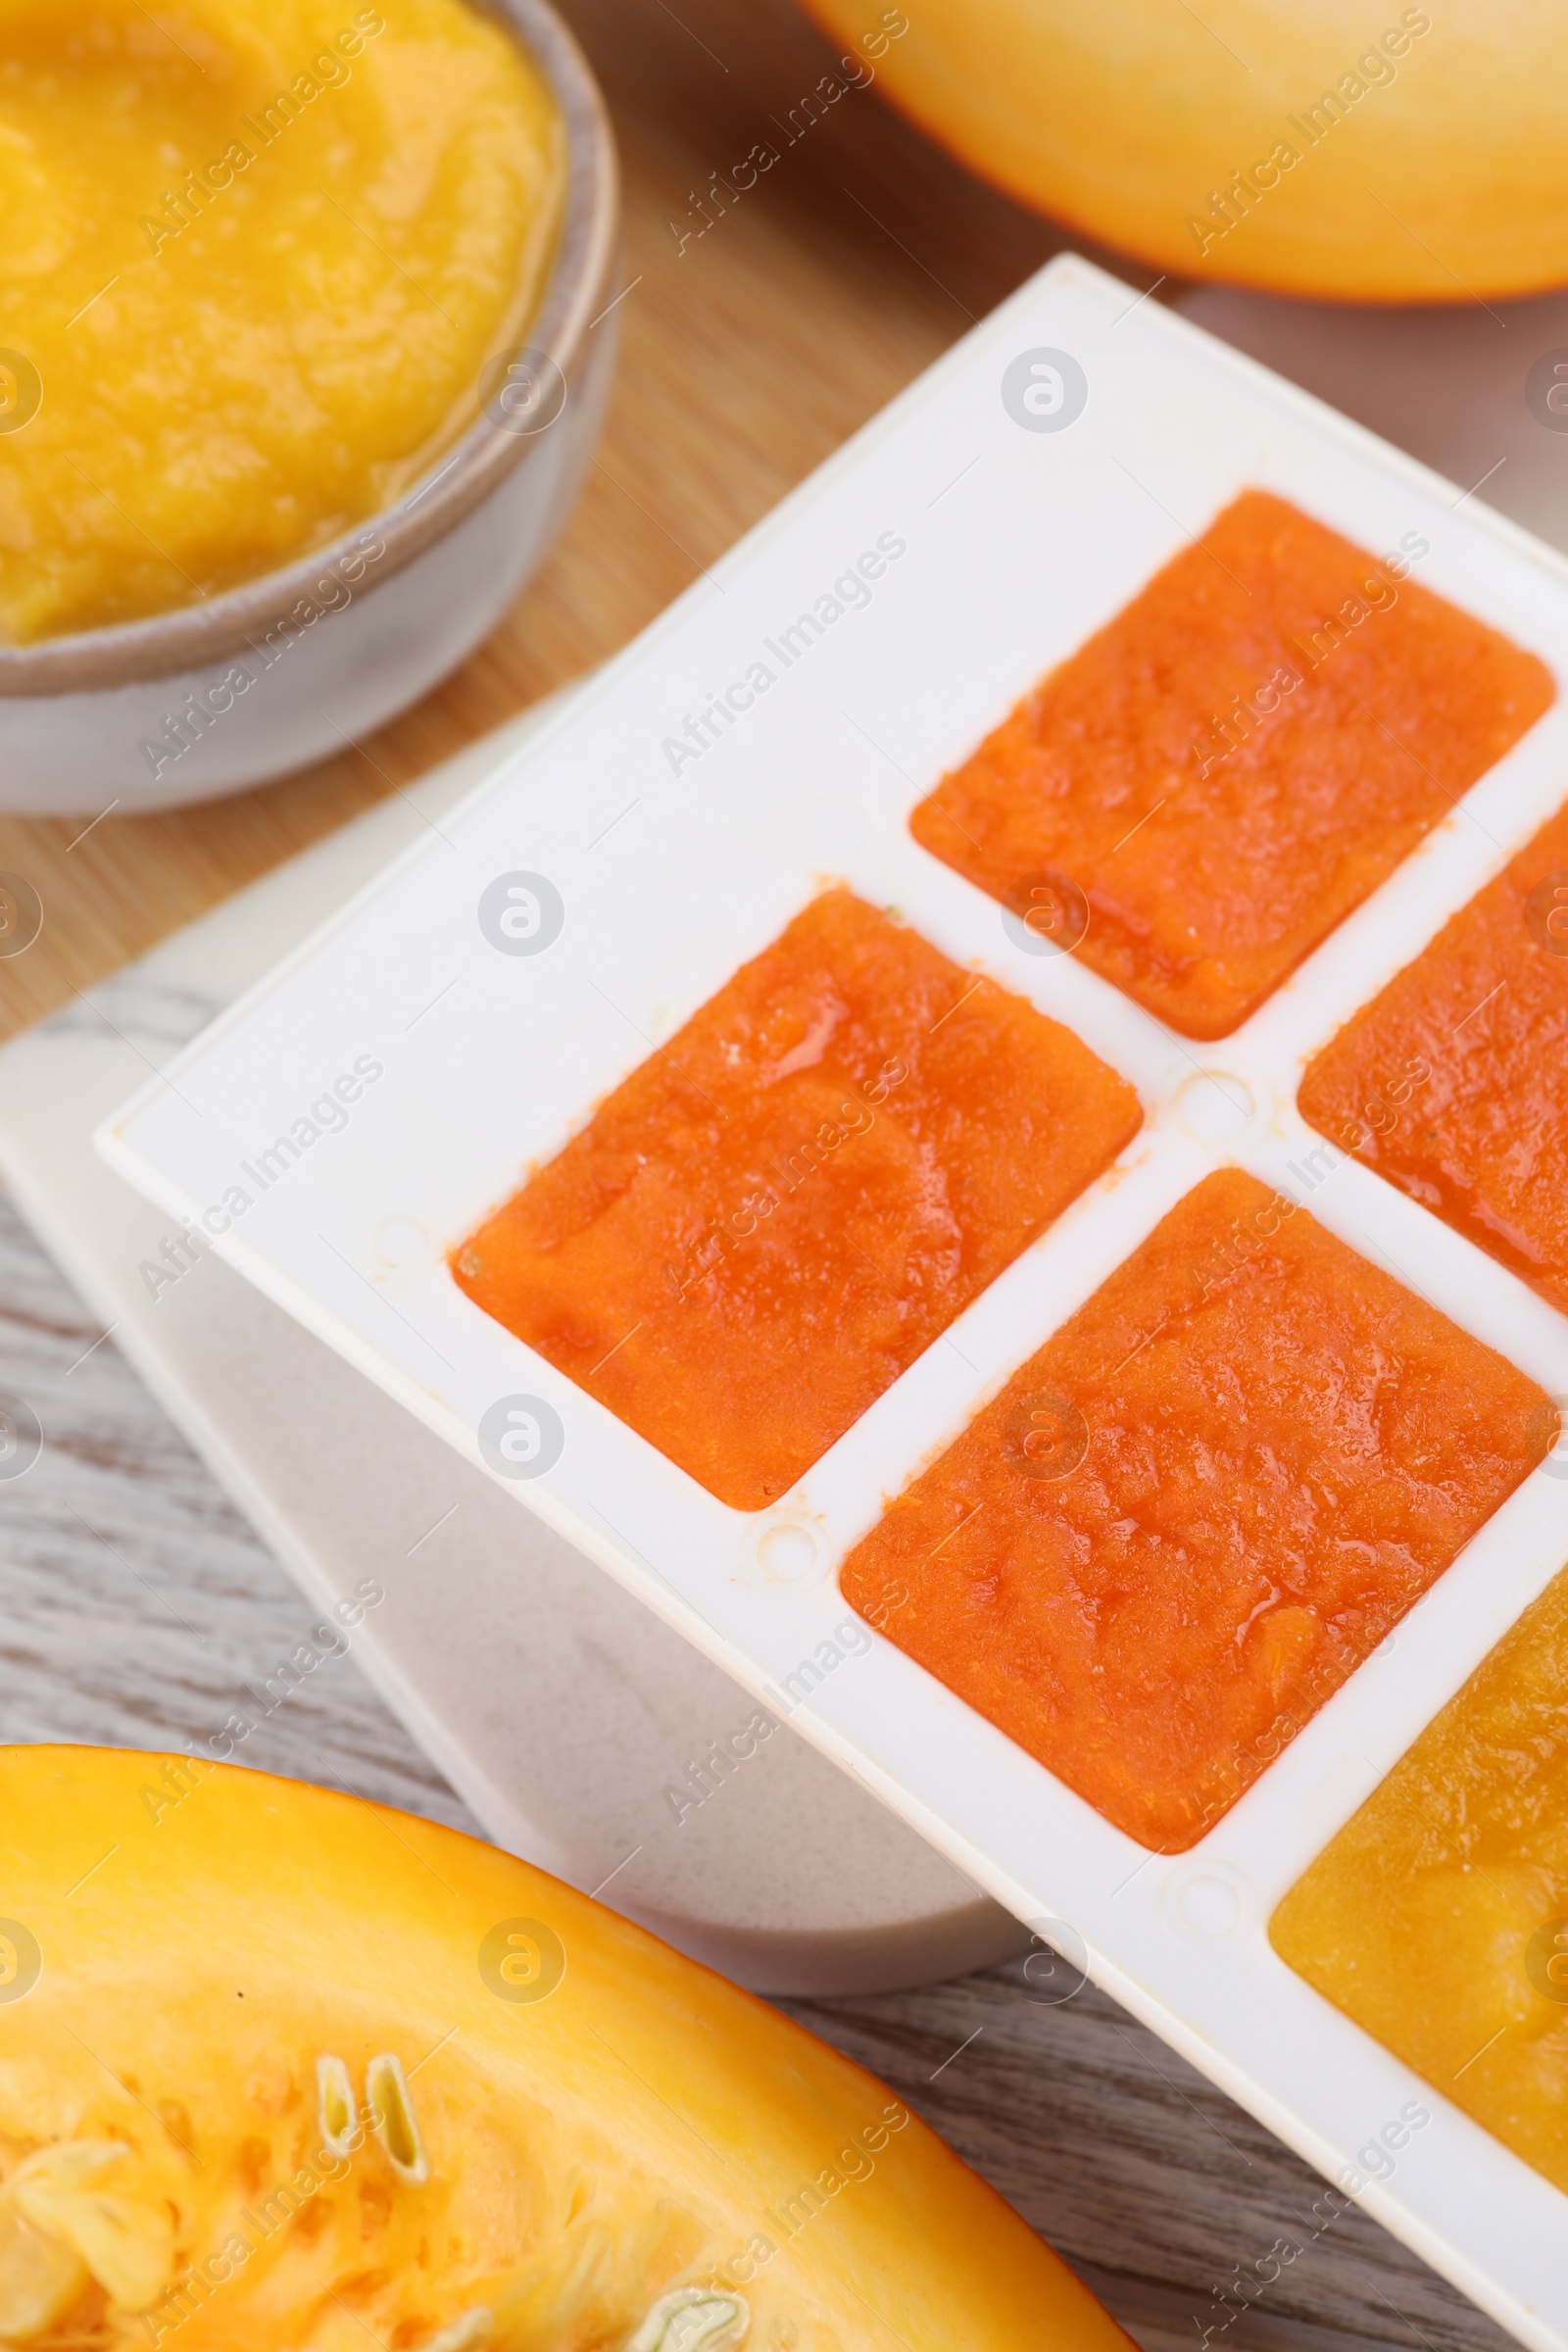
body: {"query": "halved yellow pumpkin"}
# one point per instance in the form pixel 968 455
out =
pixel 282 2069
pixel 1362 154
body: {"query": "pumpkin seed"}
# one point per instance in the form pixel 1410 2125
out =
pixel 126 2241
pixel 335 2095
pixel 694 2319
pixel 386 2095
pixel 40 2278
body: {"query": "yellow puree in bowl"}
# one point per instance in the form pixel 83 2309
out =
pixel 255 256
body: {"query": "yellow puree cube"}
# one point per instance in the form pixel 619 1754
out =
pixel 1437 1918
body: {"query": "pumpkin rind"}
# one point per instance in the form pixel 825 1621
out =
pixel 1438 173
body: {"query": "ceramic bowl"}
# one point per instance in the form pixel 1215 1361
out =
pixel 277 673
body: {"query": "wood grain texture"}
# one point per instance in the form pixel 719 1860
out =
pixel 748 356
pixel 136 1606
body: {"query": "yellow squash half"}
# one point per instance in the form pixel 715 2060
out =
pixel 1362 151
pixel 282 2069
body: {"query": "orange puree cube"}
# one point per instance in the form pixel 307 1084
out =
pixel 1188 1518
pixel 1235 761
pixel 1437 1918
pixel 766 1223
pixel 1454 1083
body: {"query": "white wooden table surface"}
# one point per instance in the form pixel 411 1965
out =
pixel 135 1604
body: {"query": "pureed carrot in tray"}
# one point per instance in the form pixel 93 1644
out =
pixel 1237 760
pixel 1437 1918
pixel 770 1218
pixel 1454 1083
pixel 1197 1509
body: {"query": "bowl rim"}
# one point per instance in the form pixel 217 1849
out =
pixel 462 475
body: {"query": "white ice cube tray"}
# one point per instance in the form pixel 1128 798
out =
pixel 996 549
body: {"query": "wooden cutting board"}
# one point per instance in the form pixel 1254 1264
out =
pixel 752 347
